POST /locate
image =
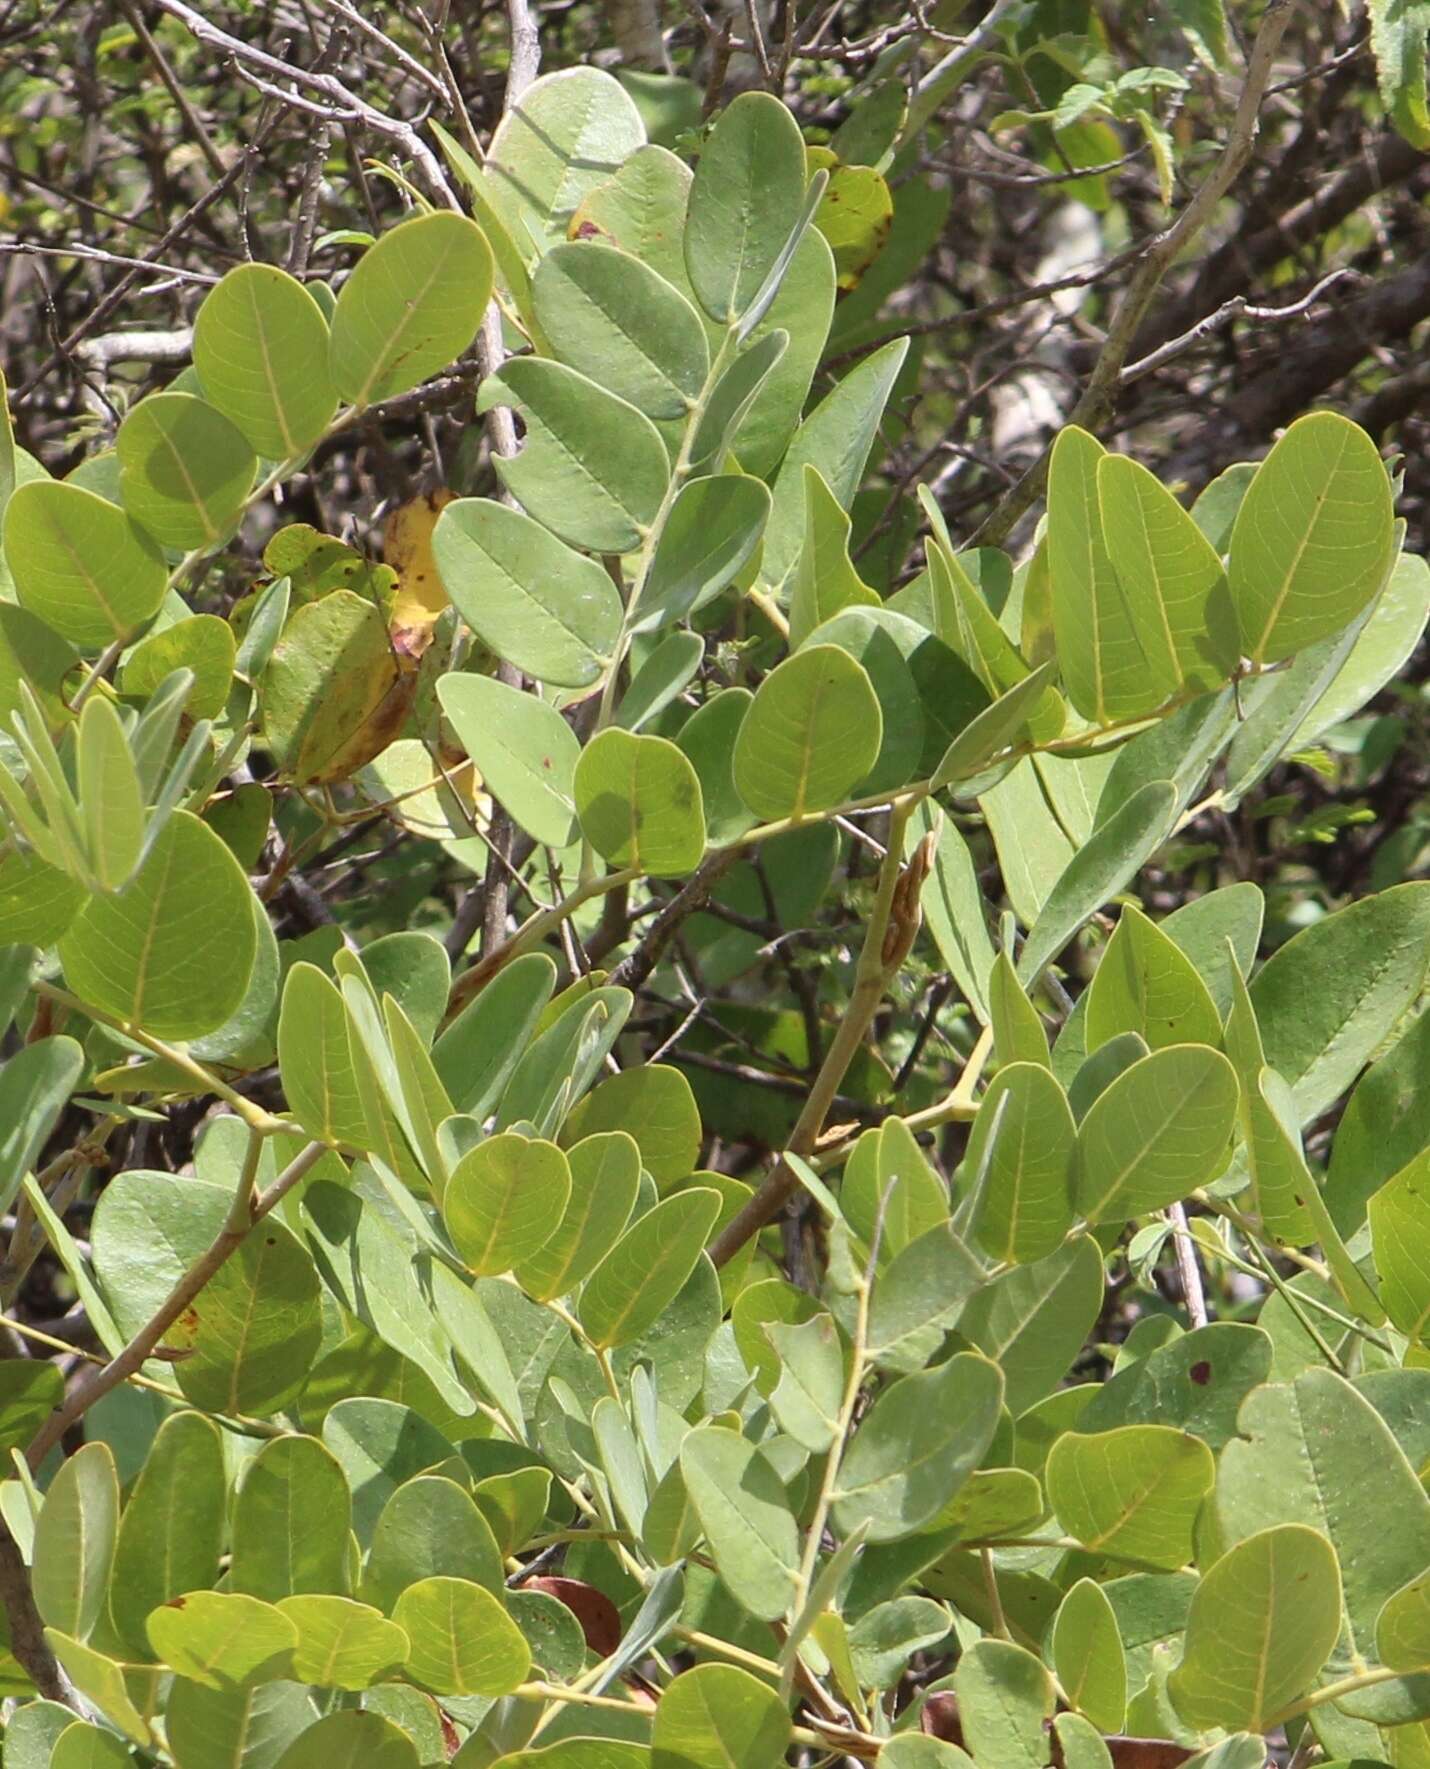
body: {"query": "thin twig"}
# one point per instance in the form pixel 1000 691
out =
pixel 1236 307
pixel 246 1212
pixel 1188 1271
pixel 893 924
pixel 1096 403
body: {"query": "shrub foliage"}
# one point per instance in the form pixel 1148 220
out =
pixel 477 1391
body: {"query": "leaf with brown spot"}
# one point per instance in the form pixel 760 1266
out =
pixel 600 1621
pixel 407 548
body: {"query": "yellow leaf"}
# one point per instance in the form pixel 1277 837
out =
pixel 407 548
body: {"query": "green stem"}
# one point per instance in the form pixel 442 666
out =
pixel 253 1115
pixel 1330 1692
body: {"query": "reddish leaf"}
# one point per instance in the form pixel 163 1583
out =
pixel 600 1622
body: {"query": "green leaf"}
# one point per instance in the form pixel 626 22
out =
pixel 813 730
pixel 235 1356
pixel 957 916
pixel 1132 1493
pixel 35 1085
pixel 29 1392
pixel 83 1745
pixel 708 738
pixel 708 537
pixel 1105 666
pixel 533 601
pixel 1022 1149
pixel 605 1176
pixel 504 1200
pixel 810 1390
pixel 1313 539
pixel 184 469
pixel 565 1059
pixel 1196 1381
pixel 412 305
pixel 1019 1035
pixel 916 1750
pixel 333 695
pixel 1379 652
pixel 475 1055
pixel 74 1541
pixel 624 325
pixel 566 133
pixel 1382 1129
pixel 351 1739
pixel 1088 1657
pixel 1158 1132
pixel 1402 1633
pixel 81 565
pixel 172 952
pixel 998 727
pixel 652 1103
pixel 716 1715
pixel 592 468
pixel 836 438
pixel 1098 870
pixel 580 1753
pixel 463 1642
pixel 203 645
pixel 747 196
pixel 261 351
pixel 30 1736
pixel 172 1531
pixel 922 1439
pixel 1263 1622
pixel 1172 577
pixel 342 1644
pixel 290 1523
pixel 37 901
pixel 889 1185
pixel 1399 1226
pixel 253 1333
pixel 736 393
pixel 1203 23
pixel 523 748
pixel 319 1081
pixel 825 580
pixel 380 1444
pixel 882 643
pixel 1145 983
pixel 640 803
pixel 1032 1320
pixel 1325 999
pixel 745 1516
pixel 101 1680
pixel 667 670
pixel 223 1640
pixel 111 798
pixel 429 1528
pixel 1316 1452
pixel 1398 30
pixel 884 1638
pixel 646 1269
pixel 919 1295
pixel 1005 1698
